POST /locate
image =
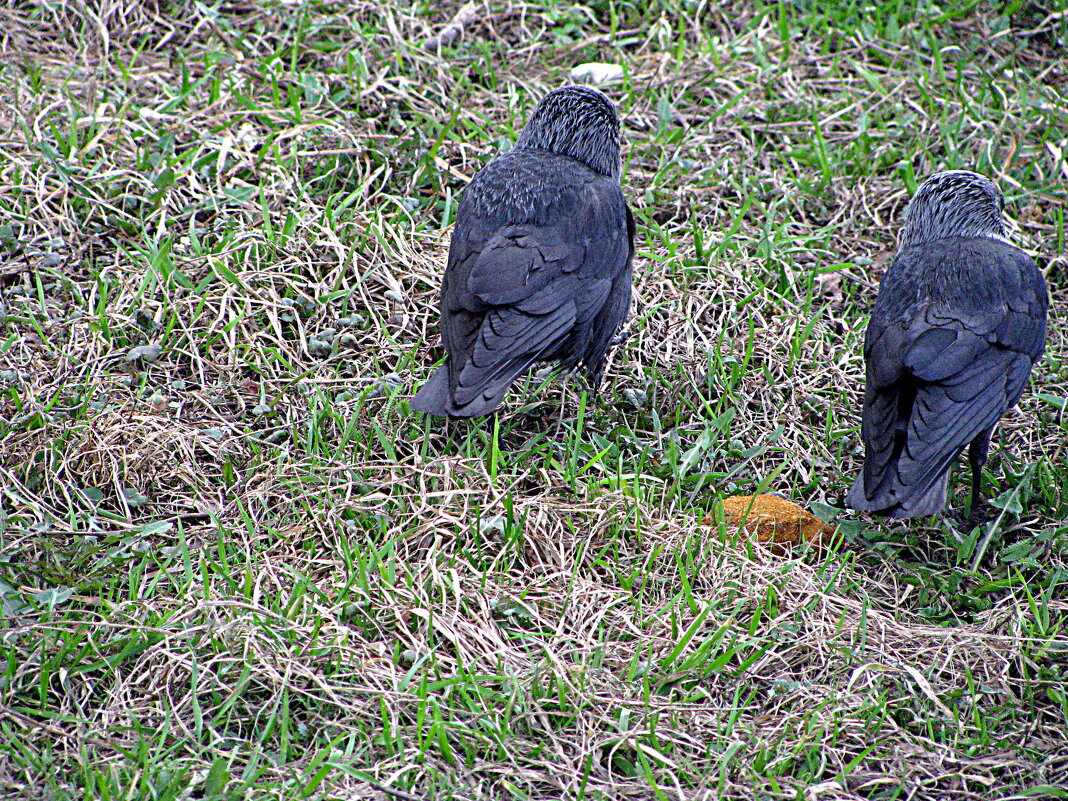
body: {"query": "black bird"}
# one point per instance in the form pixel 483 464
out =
pixel 958 323
pixel 540 260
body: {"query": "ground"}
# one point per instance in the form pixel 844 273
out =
pixel 234 564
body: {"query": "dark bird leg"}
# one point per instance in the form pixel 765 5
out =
pixel 591 382
pixel 977 453
pixel 621 336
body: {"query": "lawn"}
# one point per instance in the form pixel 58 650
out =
pixel 233 562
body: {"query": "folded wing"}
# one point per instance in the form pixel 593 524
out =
pixel 553 286
pixel 943 365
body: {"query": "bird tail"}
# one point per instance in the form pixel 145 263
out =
pixel 433 396
pixel 488 389
pixel 436 397
pixel 892 499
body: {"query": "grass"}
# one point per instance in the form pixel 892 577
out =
pixel 238 566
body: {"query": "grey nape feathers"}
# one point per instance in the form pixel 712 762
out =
pixel 540 260
pixel 958 323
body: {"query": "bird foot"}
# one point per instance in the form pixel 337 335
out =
pixel 975 516
pixel 619 338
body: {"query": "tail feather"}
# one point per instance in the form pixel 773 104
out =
pixel 891 499
pixel 433 396
pixel 436 397
pixel 489 394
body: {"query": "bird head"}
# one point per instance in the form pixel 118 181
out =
pixel 954 203
pixel 576 121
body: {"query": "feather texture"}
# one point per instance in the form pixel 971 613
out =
pixel 539 263
pixel 958 323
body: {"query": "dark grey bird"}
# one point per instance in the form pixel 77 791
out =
pixel 959 321
pixel 539 264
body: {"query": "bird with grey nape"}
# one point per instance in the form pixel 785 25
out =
pixel 959 320
pixel 539 265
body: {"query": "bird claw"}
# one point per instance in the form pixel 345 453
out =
pixel 619 338
pixel 976 516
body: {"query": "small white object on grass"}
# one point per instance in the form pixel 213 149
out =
pixel 146 353
pixel 596 72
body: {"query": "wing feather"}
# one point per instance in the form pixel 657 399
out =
pixel 955 331
pixel 535 282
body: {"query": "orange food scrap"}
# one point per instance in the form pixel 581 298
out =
pixel 776 521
